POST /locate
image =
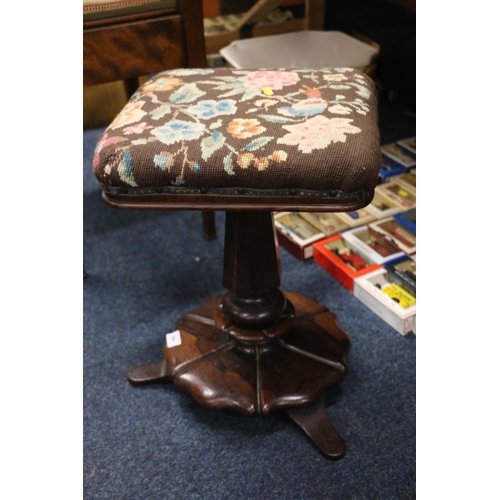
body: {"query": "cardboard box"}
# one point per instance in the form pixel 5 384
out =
pixel 338 258
pixel 397 155
pixel 369 290
pixel 382 206
pixel 296 235
pixel 389 169
pixel 408 219
pixel 409 145
pixel 356 218
pixel 403 272
pixel 397 233
pixel 407 180
pixel 404 198
pixel 372 246
pixel 329 223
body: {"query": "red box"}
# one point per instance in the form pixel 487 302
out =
pixel 296 235
pixel 324 255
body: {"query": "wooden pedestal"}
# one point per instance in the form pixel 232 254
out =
pixel 257 350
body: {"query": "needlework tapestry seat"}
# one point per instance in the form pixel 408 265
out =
pixel 222 129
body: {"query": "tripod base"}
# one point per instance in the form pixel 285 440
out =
pixel 284 367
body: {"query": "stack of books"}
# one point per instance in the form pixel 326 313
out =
pixel 371 251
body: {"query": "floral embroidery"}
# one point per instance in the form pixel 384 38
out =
pixel 189 71
pixel 339 109
pixel 279 156
pixel 242 129
pixel 274 80
pixel 178 130
pixel 137 129
pixel 318 133
pixel 244 160
pixel 103 142
pixel 208 109
pixel 178 107
pixel 160 85
pixel 335 78
pixel 131 113
pixel 308 107
pixel 261 163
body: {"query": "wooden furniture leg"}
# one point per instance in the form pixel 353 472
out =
pixel 257 350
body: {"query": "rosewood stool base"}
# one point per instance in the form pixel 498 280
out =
pixel 284 367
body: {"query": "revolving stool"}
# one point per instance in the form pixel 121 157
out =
pixel 249 142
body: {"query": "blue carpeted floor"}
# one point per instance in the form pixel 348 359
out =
pixel 145 270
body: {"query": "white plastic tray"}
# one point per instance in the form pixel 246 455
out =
pixel 301 49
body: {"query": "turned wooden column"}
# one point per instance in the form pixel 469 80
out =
pixel 251 271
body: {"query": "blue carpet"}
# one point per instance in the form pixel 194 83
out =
pixel 145 270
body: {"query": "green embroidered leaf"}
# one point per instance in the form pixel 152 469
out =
pixel 362 91
pixel 211 144
pixel 241 72
pixel 339 87
pixel 160 112
pixel 258 143
pixel 125 169
pixel 275 118
pixel 216 124
pixel 228 164
pixel 239 90
pixel 229 86
pixel 139 141
pixel 253 110
pixel 251 93
pixel 187 93
pixel 226 78
pixel 143 140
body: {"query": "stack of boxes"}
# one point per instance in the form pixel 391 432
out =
pixel 371 251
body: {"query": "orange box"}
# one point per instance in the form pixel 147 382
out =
pixel 324 253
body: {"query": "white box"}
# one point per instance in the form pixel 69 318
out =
pixel 382 206
pixel 301 49
pixel 296 234
pixel 397 233
pixel 360 238
pixel 403 320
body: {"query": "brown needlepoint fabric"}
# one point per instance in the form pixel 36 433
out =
pixel 261 129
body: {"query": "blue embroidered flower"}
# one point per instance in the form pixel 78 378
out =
pixel 162 161
pixel 309 107
pixel 208 109
pixel 178 130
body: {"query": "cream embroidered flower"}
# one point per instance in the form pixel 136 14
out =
pixel 131 113
pixel 318 133
pixel 338 109
pixel 335 78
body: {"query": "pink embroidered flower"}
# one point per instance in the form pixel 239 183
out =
pixel 136 129
pixel 274 80
pixel 317 133
pixel 103 142
pixel 131 113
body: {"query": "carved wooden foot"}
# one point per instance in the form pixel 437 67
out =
pixel 150 373
pixel 314 421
